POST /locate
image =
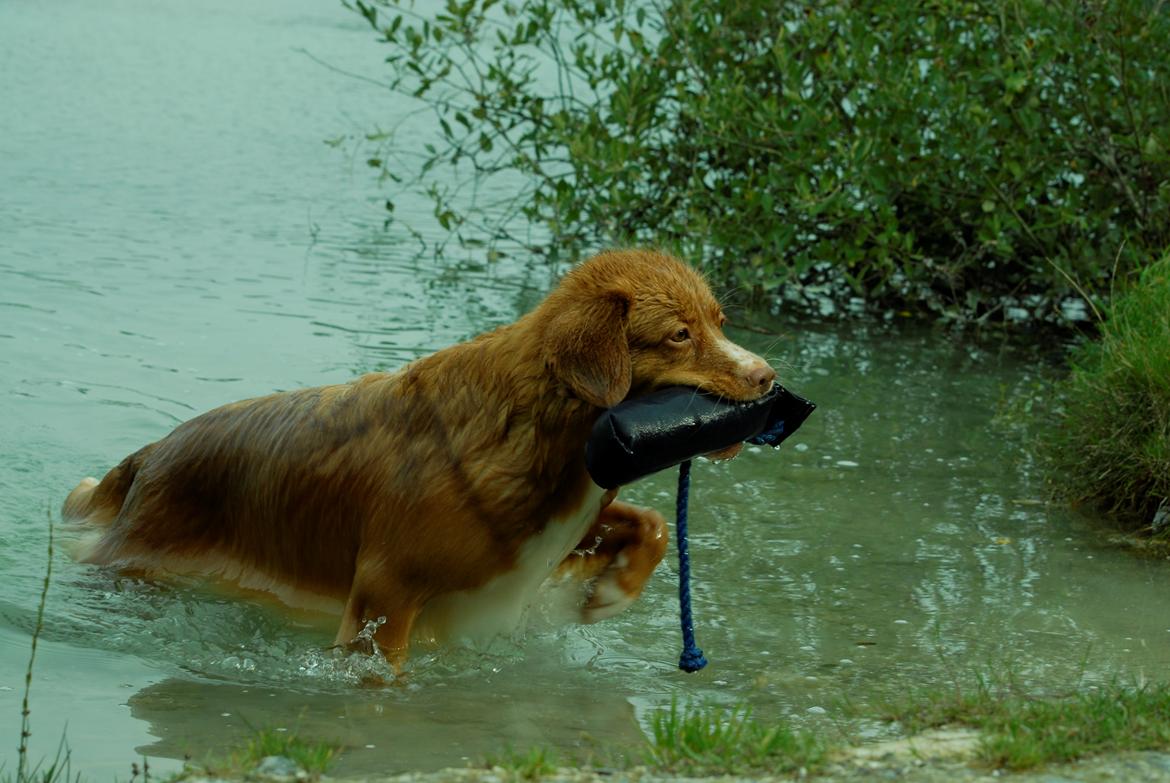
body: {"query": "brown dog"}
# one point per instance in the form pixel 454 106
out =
pixel 442 495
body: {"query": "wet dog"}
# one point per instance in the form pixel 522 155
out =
pixel 440 496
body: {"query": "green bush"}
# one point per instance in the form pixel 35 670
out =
pixel 1112 448
pixel 948 157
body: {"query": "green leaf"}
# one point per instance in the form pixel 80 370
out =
pixel 369 12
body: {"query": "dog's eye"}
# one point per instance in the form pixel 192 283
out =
pixel 681 336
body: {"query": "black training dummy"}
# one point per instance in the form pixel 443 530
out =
pixel 675 424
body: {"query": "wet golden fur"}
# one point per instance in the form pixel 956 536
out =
pixel 396 490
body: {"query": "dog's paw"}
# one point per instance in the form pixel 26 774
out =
pixel 607 597
pixel 644 534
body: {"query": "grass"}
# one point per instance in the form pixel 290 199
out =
pixel 1017 731
pixel 707 741
pixel 532 764
pixel 931 708
pixel 313 756
pixel 1033 733
pixel 59 770
pixel 1022 732
pixel 695 740
pixel 1111 449
pixel 310 755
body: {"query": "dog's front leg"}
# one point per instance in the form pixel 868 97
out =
pixel 725 454
pixel 616 557
pixel 371 601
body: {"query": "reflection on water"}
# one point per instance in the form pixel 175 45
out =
pixel 390 730
pixel 174 235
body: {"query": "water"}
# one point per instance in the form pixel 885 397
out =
pixel 175 233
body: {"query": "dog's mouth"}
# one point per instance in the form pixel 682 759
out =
pixel 733 392
pixel 716 390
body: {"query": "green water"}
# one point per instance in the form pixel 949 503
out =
pixel 174 234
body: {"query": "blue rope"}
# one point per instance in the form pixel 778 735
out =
pixel 771 436
pixel 692 658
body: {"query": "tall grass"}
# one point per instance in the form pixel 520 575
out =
pixel 1111 450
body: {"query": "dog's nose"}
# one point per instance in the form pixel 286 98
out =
pixel 761 376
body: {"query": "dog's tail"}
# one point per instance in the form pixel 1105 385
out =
pixel 98 502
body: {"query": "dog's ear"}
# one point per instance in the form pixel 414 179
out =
pixel 587 348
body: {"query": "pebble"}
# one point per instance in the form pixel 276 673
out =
pixel 279 767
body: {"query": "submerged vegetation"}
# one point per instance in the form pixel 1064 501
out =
pixel 960 159
pixel 1111 449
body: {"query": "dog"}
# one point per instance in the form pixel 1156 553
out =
pixel 440 496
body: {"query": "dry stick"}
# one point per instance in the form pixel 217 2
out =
pixel 25 730
pixel 1113 275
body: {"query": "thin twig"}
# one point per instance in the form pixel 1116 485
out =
pixel 25 725
pixel 342 71
pixel 1040 247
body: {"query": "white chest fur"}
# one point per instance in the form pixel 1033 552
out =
pixel 498 606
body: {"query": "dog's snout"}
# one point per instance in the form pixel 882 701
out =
pixel 761 376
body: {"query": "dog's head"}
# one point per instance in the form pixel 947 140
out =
pixel 627 322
